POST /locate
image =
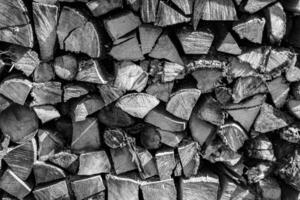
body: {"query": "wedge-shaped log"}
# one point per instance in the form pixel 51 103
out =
pixel 171 139
pixel 45 173
pixel 65 160
pixel 165 161
pixel 227 188
pixel 109 93
pixel 207 79
pixel 100 7
pixel 279 90
pixel 253 6
pixel 74 91
pixel 122 160
pixel 229 45
pixel 66 67
pixel 93 163
pixel 46 93
pixel 148 36
pixel 162 91
pixel 52 191
pixel 186 6
pixel 155 189
pixel 269 188
pixel 147 165
pixel 148 10
pixel 46 113
pixel 44 72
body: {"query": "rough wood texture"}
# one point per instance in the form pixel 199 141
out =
pixel 93 163
pixel 279 90
pixel 207 79
pixel 162 91
pixel 253 6
pixel 229 45
pixel 150 138
pixel 73 91
pixel 147 165
pixel 148 10
pixel 261 148
pixel 269 189
pixel 109 93
pixel 137 104
pixel 122 160
pixel 66 67
pixel 45 21
pixel 171 139
pixel 293 107
pixel 165 161
pixel 172 71
pixel 100 7
pixel 46 113
pixel 44 72
pixel 45 173
pixel 46 93
pixel 148 36
pixel 15 24
pixel 227 188
pixel 164 190
pixel 54 191
pixel 186 6
pixel 65 160
pixel 115 138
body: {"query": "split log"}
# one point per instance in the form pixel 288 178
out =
pixel 171 139
pixel 291 133
pixel 45 173
pixel 122 187
pixel 160 118
pixel 20 159
pixel 87 187
pixel 49 144
pixel 162 91
pixel 86 106
pixel 65 128
pixel 259 172
pixel 46 113
pixel 212 10
pixel 43 73
pixel 134 4
pixel 148 36
pixel 237 68
pixel 261 148
pixel 279 90
pixel 100 7
pixel 122 160
pixel 189 155
pixel 243 193
pixel 86 136
pixel 292 74
pixel 24 59
pixel 246 87
pixel 178 171
pixel 77 34
pixel 16 89
pixel 130 77
pixel 228 187
pixel 148 10
pixel 253 6
pixel 278 59
pixel 46 93
pixel 165 49
pixel 109 93
pixel 128 50
pixel 121 24
pixel 203 186
pixel 295 90
pixel 12 184
pixel 271 119
pixel 99 196
pixel 19 122
pixel 74 91
pixel 195 42
pixel 115 138
pixel 66 161
pixel 207 79
pixel 154 189
pixel 45 17
pixel 165 162
pixel 52 191
pixel 4 143
pixel 15 24
pixel 233 136
pixel 223 95
pixel 293 107
pixel 182 102
pixel 255 57
pixel 147 165
pixel 137 104
pixel 229 45
pixel 186 6
pixel 276 22
pixel 172 71
pixel 93 163
pixel 66 67
pixel 150 138
pixel 167 16
pixel 4 103
pixel 251 29
pixel 92 71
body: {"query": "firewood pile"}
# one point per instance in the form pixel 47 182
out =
pixel 149 99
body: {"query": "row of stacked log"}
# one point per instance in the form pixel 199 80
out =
pixel 149 99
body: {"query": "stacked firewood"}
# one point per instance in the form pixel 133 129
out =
pixel 149 99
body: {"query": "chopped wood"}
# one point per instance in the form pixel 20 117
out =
pixel 77 34
pixel 87 187
pixel 86 135
pixel 15 25
pixel 122 160
pixel 237 68
pixel 128 50
pixel 276 22
pixel 295 90
pixel 4 143
pixel 122 187
pixel 150 138
pixel 146 163
pixel 278 58
pixel 165 161
pixel 256 57
pixel 155 189
pixel 65 160
pixel 66 67
pixel 251 29
pixel 49 144
pixel 148 36
pixel 189 155
pixel 165 49
pixel 46 93
pixel 178 169
pixel 279 90
pixel 45 22
pixel 269 189
pixel 134 4
pixel 167 16
pixel 223 95
pixel 162 91
pixel 195 41
pixel 229 45
pixel 43 73
pixel 186 6
pixel 291 5
pixel 4 103
pixel 261 148
pixel 45 173
pixel 291 133
pixel 292 74
pixel 93 163
pixel 253 6
pixel 148 10
pixel 203 186
pixel 130 77
pixel 20 123
pixel 271 119
pixel 115 138
pixel 125 38
pixel 46 113
pixel 137 104
pixel 207 79
pixel 100 7
pixel 20 159
pixel 228 186
pixel 92 71
pixel 52 191
pixel 213 11
pixel 121 24
pixel 259 172
pixel 12 184
pixel 109 93
pixel 182 102
pixel 162 119
pixel 16 89
pixel 293 107
pixel 172 71
pixel 246 87
pixel 171 139
pixel 74 91
pixel 99 196
pixel 243 193
pixel 86 106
